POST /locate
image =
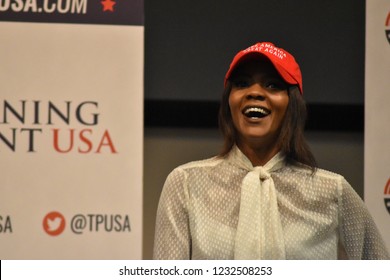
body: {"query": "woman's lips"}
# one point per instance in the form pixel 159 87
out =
pixel 256 112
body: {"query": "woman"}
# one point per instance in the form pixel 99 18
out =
pixel 263 197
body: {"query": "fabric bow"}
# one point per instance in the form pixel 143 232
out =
pixel 259 232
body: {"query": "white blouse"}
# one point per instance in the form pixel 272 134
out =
pixel 320 215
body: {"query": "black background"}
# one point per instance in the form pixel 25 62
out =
pixel 189 46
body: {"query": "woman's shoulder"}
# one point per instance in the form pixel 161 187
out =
pixel 196 164
pixel 328 174
pixel 317 173
pixel 183 171
pixel 320 179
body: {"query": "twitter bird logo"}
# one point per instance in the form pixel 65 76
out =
pixel 54 223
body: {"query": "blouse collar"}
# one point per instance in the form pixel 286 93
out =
pixel 237 157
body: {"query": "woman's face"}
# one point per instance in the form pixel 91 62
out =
pixel 258 102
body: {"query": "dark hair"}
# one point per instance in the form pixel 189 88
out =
pixel 291 137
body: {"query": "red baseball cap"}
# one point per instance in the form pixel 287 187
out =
pixel 282 60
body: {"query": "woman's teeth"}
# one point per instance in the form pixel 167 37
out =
pixel 256 112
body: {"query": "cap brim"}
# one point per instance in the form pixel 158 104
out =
pixel 286 76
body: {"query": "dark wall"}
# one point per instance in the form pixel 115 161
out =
pixel 189 46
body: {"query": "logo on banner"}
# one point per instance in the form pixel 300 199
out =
pixel 387 196
pixel 108 5
pixel 52 6
pixel 387 25
pixel 44 6
pixel 71 128
pixel 54 223
pixel 81 223
pixel 73 11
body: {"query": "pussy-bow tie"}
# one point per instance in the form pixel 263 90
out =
pixel 259 232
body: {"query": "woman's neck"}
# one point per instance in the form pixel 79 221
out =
pixel 259 155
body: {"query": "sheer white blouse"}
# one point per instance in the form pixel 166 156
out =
pixel 320 214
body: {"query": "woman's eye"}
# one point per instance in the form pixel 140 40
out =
pixel 272 85
pixel 276 85
pixel 241 83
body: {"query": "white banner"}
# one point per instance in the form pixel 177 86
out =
pixel 377 114
pixel 71 137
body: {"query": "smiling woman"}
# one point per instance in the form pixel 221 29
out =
pixel 271 89
pixel 263 196
pixel 258 102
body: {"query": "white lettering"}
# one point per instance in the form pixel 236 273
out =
pixel 17 6
pixel 46 7
pixel 63 10
pixel 30 4
pixel 79 6
pixel 4 5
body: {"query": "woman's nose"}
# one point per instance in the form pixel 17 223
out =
pixel 255 91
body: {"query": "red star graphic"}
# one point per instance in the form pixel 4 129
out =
pixel 108 5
